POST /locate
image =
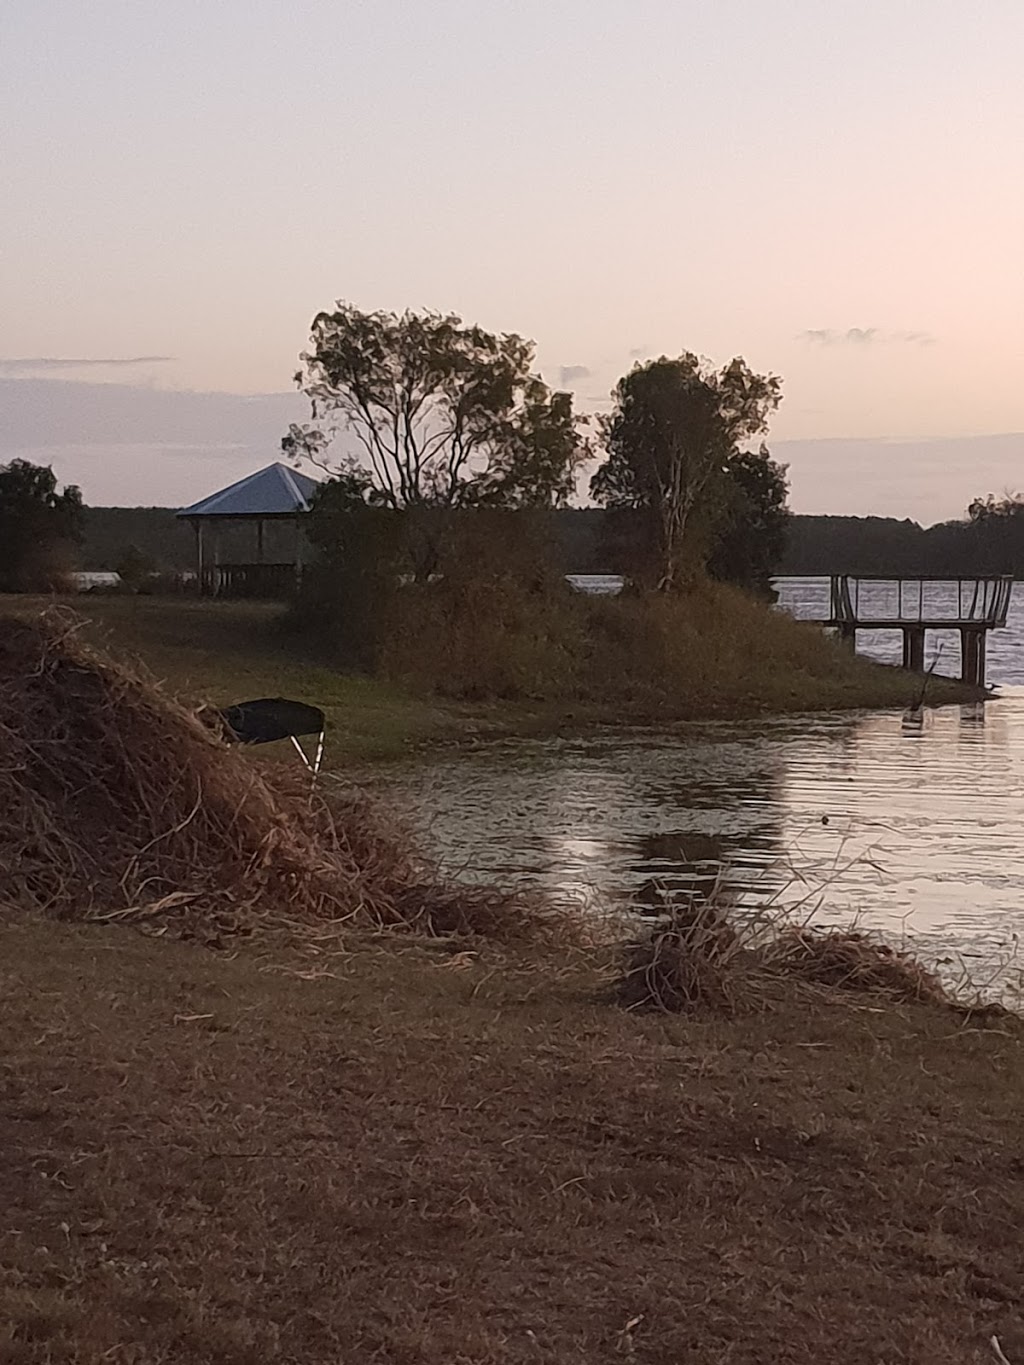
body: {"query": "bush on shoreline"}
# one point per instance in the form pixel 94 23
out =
pixel 472 609
pixel 705 960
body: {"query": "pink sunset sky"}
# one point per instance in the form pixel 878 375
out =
pixel 831 190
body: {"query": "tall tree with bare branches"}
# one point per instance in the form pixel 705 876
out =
pixel 443 414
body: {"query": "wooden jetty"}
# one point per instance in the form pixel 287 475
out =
pixel 972 606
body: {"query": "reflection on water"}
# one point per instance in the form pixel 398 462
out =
pixel 907 823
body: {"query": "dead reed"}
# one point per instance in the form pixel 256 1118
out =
pixel 684 965
pixel 704 959
pixel 849 960
pixel 116 803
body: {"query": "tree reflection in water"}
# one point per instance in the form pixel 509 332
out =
pixel 906 830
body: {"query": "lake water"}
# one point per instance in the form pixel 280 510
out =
pixel 913 829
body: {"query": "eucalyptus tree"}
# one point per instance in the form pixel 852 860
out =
pixel 676 427
pixel 441 413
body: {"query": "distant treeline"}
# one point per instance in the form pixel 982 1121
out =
pixel 578 539
pixel 990 542
pixel 164 541
pixel 109 531
pixel 582 543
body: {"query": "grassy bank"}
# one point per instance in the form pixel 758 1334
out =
pixel 224 652
pixel 418 1157
pixel 732 658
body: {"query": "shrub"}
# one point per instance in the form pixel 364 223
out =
pixel 39 528
pixel 704 960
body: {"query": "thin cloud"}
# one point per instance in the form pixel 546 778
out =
pixel 828 336
pixel 65 409
pixel 638 352
pixel 572 374
pixel 20 364
pixel 914 338
pixel 862 336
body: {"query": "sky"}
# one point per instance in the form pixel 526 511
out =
pixel 833 191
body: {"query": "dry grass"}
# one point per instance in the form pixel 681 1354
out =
pixel 702 959
pixel 618 663
pixel 688 965
pixel 651 657
pixel 116 803
pixel 848 960
pixel 219 651
pixel 418 1158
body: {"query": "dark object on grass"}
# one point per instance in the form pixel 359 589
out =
pixel 272 718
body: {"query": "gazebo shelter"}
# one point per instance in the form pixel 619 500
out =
pixel 249 537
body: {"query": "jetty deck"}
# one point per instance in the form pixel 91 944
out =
pixel 916 605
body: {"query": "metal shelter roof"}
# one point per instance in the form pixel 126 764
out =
pixel 272 492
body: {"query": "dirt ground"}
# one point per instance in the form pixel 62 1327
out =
pixel 423 1156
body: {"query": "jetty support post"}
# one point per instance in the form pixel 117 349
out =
pixel 972 655
pixel 913 648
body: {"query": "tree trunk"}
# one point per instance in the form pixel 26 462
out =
pixel 673 526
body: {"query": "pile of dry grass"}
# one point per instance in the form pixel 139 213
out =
pixel 117 803
pixel 701 960
pixel 848 960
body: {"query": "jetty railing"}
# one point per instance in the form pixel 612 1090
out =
pixel 979 601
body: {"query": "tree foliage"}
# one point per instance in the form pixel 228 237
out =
pixel 675 428
pixel 39 527
pixel 991 510
pixel 135 567
pixel 751 536
pixel 446 414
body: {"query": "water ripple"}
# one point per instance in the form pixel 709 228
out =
pixel 913 831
